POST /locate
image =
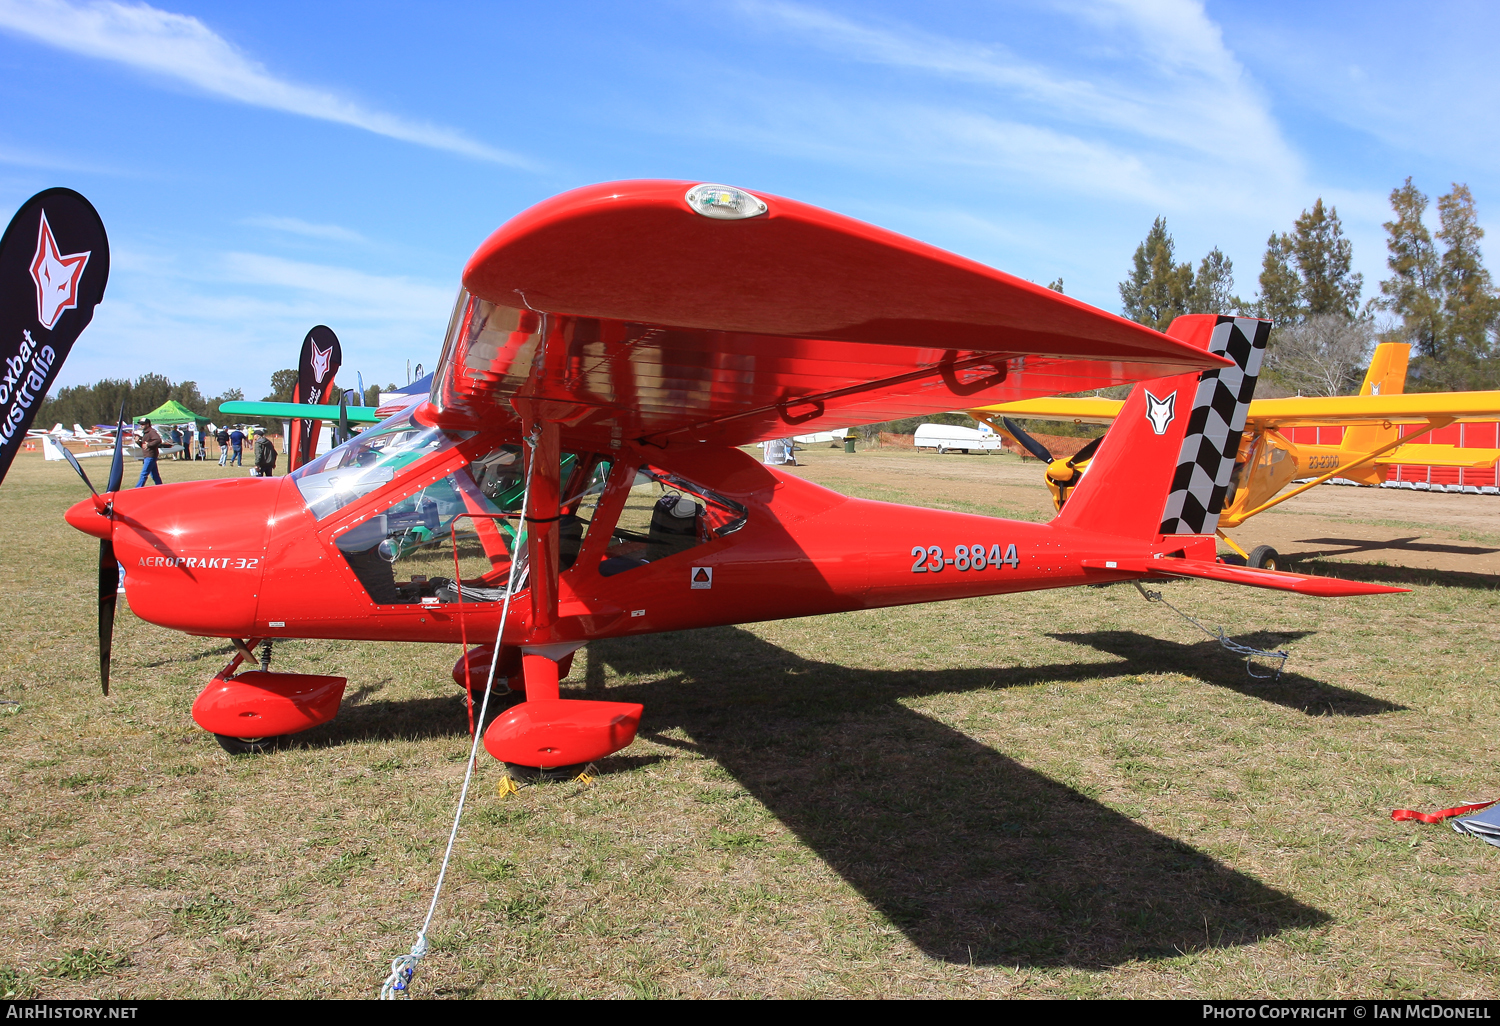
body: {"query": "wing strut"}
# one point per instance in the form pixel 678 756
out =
pixel 1432 425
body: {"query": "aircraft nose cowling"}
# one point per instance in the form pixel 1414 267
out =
pixel 85 516
pixel 194 553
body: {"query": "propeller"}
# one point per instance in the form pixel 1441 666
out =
pixel 109 567
pixel 1039 450
pixel 1031 445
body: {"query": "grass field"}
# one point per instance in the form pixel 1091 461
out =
pixel 1070 793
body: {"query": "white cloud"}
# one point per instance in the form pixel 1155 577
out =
pixel 1161 110
pixel 297 226
pixel 357 294
pixel 181 47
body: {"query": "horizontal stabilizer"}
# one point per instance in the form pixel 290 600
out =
pixel 1302 584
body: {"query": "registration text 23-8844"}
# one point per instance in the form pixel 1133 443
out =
pixel 929 559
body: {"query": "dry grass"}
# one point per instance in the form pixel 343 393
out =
pixel 1056 794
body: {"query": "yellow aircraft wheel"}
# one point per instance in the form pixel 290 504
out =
pixel 1265 558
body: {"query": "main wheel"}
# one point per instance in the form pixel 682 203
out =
pixel 1263 557
pixel 245 745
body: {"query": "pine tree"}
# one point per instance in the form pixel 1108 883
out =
pixel 1413 292
pixel 1213 285
pixel 1280 287
pixel 1157 289
pixel 1055 285
pixel 1309 270
pixel 1470 306
pixel 1324 260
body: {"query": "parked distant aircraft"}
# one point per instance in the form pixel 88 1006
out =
pixel 1268 460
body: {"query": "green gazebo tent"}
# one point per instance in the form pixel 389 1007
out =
pixel 171 412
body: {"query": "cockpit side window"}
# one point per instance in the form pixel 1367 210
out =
pixel 665 514
pixel 405 555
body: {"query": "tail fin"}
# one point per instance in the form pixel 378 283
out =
pixel 1387 373
pixel 1386 376
pixel 1164 466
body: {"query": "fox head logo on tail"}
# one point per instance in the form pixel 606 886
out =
pixel 1160 412
pixel 56 276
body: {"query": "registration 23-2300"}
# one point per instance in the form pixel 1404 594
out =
pixel 929 559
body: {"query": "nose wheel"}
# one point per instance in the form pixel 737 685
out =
pixel 245 745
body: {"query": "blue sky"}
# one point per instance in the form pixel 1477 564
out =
pixel 264 167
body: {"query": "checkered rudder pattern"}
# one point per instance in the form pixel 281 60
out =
pixel 1214 428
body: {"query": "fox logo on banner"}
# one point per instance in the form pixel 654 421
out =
pixel 54 263
pixel 320 361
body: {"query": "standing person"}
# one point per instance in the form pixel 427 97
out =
pixel 265 454
pixel 202 442
pixel 237 440
pixel 222 437
pixel 150 441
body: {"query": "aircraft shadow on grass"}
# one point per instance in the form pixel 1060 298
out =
pixel 1207 661
pixel 1315 562
pixel 973 856
pixel 1350 546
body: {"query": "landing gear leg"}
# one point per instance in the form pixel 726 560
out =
pixel 265 656
pixel 1243 556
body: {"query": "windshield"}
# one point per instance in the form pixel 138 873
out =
pixel 367 461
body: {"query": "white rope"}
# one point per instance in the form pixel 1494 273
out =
pixel 1229 643
pixel 398 983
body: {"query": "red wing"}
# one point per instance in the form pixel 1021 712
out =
pixel 665 325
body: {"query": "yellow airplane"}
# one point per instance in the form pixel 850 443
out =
pixel 1268 460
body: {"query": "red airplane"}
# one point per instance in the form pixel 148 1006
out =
pixel 576 474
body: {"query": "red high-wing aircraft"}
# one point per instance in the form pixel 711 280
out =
pixel 611 349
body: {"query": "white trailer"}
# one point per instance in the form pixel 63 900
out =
pixel 951 437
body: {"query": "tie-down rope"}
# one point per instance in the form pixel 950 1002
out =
pixel 1229 643
pixel 398 983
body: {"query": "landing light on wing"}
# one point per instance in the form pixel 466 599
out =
pixel 724 202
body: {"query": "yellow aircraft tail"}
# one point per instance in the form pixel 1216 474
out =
pixel 1386 376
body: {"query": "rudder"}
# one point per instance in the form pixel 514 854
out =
pixel 1164 469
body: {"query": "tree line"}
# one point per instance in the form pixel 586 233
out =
pixel 1439 297
pixel 99 403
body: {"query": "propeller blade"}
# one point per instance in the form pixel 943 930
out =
pixel 109 586
pixel 1034 447
pixel 117 464
pixel 74 460
pixel 1086 453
